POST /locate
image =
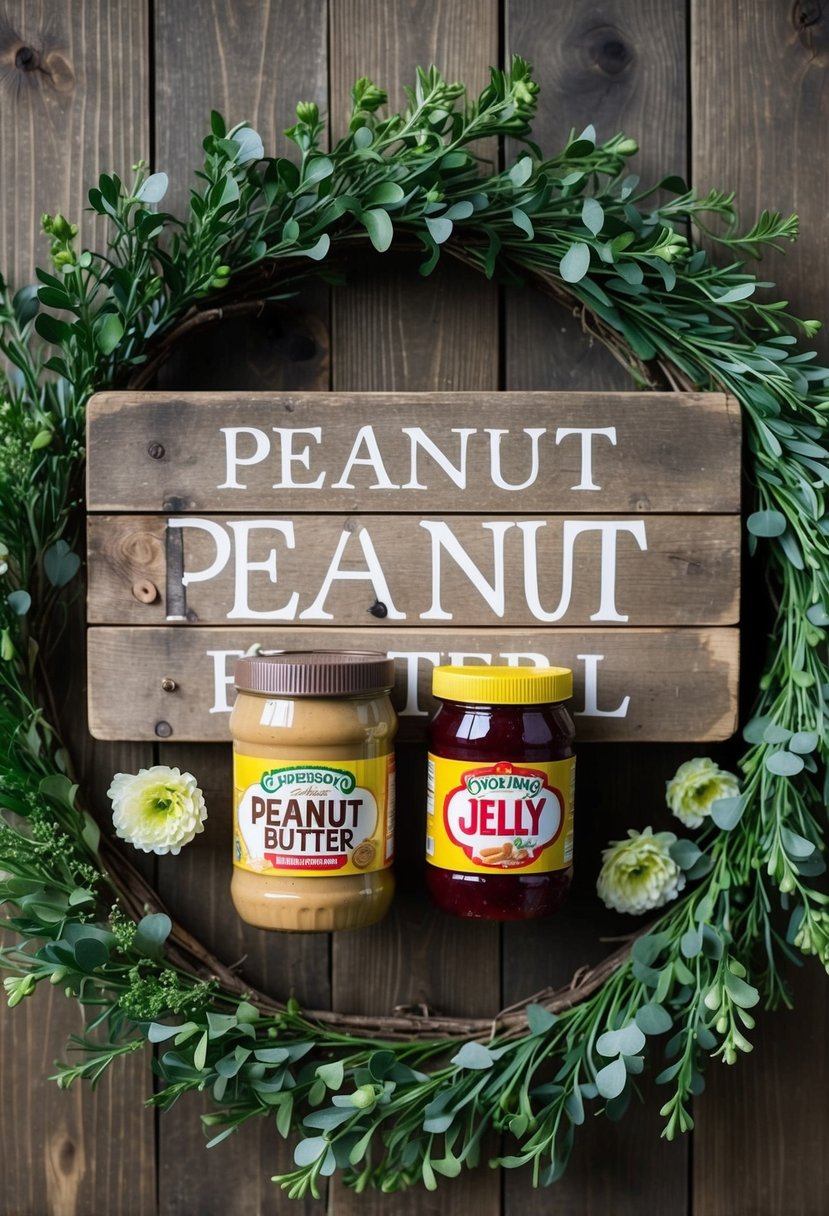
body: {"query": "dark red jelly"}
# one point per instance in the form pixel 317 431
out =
pixel 501 776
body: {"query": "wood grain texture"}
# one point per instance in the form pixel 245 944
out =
pixel 760 89
pixel 253 62
pixel 470 570
pixel 573 452
pixel 75 107
pixel 761 102
pixel 78 108
pixel 678 681
pixel 393 331
pixel 619 66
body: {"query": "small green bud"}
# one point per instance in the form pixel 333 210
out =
pixel 712 999
pixel 736 968
pixel 787 883
pixel 6 646
pixel 364 1097
pixel 722 1024
pixel 61 228
pixel 58 975
pixel 627 147
pixel 63 257
pixel 308 112
pixel 42 440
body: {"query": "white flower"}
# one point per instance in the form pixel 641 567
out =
pixel 158 809
pixel 639 874
pixel 695 786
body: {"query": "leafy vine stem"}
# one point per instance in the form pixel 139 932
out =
pixel 406 1099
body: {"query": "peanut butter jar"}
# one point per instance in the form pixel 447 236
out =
pixel 314 799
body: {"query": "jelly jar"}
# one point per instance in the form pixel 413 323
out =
pixel 499 827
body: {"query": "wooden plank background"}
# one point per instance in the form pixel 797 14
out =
pixel 664 455
pixel 735 95
pixel 670 569
pixel 694 697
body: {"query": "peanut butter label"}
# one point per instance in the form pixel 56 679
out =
pixel 329 817
pixel 503 818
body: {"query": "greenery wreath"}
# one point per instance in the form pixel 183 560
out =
pixel 394 1101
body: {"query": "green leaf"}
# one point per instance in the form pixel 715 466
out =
pixel 317 170
pixel 592 215
pixel 766 523
pixel 331 1074
pixel 151 934
pixel 741 292
pixel 473 1055
pixel 159 1033
pixel 783 764
pixel 310 1150
pixel 522 221
pixel 611 1080
pixel 385 193
pixel 727 812
pixel 521 171
pixel 219 1024
pixel 797 847
pixel 818 615
pixel 539 1019
pixel 19 601
pixel 440 228
pixel 379 228
pixel 628 1040
pixel 318 251
pixel 200 1053
pixel 653 1019
pixel 685 853
pixel 109 330
pixel 60 564
pixel 153 188
pixel 803 742
pixel 741 993
pixel 51 329
pixel 575 263
pixel 691 942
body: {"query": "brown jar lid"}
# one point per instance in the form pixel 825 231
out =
pixel 315 673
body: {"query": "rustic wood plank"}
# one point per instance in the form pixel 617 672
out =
pixel 74 82
pixel 253 62
pixel 471 570
pixel 76 106
pixel 648 452
pixel 761 132
pixel 680 682
pixel 618 66
pixel 394 331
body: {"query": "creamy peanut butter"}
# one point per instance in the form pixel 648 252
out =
pixel 313 835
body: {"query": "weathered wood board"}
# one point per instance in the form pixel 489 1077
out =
pixel 396 516
pixel 178 684
pixel 550 452
pixel 471 570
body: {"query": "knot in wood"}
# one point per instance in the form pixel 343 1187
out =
pixel 155 450
pixel 609 51
pixel 27 59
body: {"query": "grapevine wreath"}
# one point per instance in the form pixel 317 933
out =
pixel 398 1100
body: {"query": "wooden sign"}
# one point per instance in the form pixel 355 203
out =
pixel 598 531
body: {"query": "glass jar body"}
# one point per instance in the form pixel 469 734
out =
pixel 502 736
pixel 313 731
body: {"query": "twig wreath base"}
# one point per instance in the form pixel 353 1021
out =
pixel 405 1099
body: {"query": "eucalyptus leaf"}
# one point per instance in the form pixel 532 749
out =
pixel 575 263
pixel 766 523
pixel 726 813
pixel 379 228
pixel 783 764
pixel 473 1055
pixel 19 601
pixel 611 1080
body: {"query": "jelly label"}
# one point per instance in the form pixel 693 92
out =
pixel 500 818
pixel 332 817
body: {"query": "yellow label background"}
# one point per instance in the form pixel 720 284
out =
pixel 446 780
pixel 374 777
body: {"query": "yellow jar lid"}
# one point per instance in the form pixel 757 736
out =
pixel 503 685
